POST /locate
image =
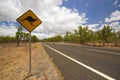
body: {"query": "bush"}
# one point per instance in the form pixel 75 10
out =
pixel 7 39
pixel 35 39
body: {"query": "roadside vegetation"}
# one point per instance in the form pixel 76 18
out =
pixel 19 37
pixel 83 35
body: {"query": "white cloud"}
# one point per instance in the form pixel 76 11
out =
pixel 114 23
pixel 115 3
pixel 8 10
pixel 113 17
pixel 114 26
pixel 56 19
pixel 102 26
pixel 93 27
pixel 43 35
pixel 118 5
pixel 7 30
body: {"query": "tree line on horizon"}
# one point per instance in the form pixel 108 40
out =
pixel 19 37
pixel 83 34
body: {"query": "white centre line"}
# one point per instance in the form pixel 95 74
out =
pixel 104 51
pixel 82 64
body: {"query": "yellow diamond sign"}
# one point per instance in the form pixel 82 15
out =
pixel 29 20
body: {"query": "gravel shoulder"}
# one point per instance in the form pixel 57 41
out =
pixel 14 63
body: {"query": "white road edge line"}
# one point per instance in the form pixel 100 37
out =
pixel 103 51
pixel 84 65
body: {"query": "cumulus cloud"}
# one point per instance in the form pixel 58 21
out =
pixel 113 17
pixel 56 19
pixel 113 25
pixel 116 3
pixel 8 10
pixel 93 27
pixel 43 35
pixel 7 30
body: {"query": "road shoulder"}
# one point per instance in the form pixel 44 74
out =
pixel 14 63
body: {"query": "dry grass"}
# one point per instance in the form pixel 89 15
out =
pixel 14 63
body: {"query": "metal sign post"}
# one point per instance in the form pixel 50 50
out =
pixel 29 21
pixel 30 53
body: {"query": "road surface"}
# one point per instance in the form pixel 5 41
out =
pixel 85 62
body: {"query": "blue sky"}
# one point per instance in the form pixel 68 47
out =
pixel 59 16
pixel 96 10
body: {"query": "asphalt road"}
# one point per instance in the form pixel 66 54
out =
pixel 85 62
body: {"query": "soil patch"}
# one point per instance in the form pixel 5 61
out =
pixel 14 63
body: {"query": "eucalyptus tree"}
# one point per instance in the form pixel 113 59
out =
pixel 66 37
pixel 83 33
pixel 76 35
pixel 18 34
pixel 106 33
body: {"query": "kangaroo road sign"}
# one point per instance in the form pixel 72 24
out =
pixel 29 20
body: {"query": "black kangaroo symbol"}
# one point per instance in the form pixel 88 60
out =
pixel 30 20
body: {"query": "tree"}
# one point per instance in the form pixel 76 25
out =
pixel 66 37
pixel 27 36
pixel 83 33
pixel 118 34
pixel 106 33
pixel 90 36
pixel 76 36
pixel 6 39
pixel 18 34
pixel 35 39
pixel 58 38
pixel 71 37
